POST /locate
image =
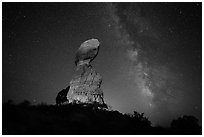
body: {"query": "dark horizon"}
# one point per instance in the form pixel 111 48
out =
pixel 150 54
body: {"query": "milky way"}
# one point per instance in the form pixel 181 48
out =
pixel 150 55
pixel 152 59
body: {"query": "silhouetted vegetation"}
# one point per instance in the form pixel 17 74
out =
pixel 84 119
pixel 189 124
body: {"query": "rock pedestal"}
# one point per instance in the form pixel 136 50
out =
pixel 86 87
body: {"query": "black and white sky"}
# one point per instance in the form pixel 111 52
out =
pixel 150 54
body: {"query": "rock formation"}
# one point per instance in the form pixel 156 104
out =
pixel 62 96
pixel 85 87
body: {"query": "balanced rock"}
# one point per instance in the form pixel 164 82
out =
pixel 85 87
pixel 87 51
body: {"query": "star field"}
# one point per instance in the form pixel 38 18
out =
pixel 150 55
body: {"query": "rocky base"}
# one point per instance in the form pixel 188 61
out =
pixel 85 87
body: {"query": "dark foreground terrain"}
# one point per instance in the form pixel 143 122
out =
pixel 84 119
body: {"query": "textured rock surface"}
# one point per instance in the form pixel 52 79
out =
pixel 87 51
pixel 85 87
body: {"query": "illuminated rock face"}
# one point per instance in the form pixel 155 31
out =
pixel 86 87
pixel 87 51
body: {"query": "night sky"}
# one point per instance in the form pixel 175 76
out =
pixel 150 54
